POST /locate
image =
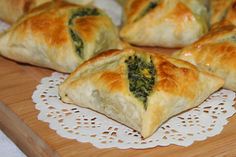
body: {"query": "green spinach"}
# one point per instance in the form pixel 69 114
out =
pixel 77 41
pixel 83 12
pixel 141 76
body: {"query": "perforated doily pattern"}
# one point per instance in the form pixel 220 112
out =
pixel 84 125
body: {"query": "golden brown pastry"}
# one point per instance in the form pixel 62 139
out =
pixel 139 89
pixel 219 10
pixel 60 36
pixel 12 10
pixel 164 23
pixel 231 14
pixel 215 52
pixel 81 2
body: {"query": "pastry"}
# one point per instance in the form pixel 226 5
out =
pixel 231 14
pixel 164 23
pixel 219 10
pixel 59 35
pixel 12 10
pixel 215 52
pixel 138 88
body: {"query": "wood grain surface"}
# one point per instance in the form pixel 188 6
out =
pixel 18 119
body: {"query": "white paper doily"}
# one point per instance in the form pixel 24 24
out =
pixel 84 125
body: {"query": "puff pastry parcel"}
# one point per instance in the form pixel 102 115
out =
pixel 60 36
pixel 12 10
pixel 139 89
pixel 165 23
pixel 215 52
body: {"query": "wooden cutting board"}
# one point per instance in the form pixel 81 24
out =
pixel 18 119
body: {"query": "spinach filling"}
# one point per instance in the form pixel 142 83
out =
pixel 83 12
pixel 78 42
pixel 141 76
pixel 149 7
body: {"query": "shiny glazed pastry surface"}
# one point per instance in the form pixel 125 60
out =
pixel 215 53
pixel 59 35
pixel 164 23
pixel 12 10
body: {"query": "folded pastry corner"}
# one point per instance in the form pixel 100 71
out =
pixel 138 88
pixel 59 35
pixel 215 52
pixel 164 23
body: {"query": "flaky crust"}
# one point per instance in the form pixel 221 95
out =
pixel 43 37
pixel 222 10
pixel 231 14
pixel 101 84
pixel 12 10
pixel 215 52
pixel 219 10
pixel 171 23
pixel 133 8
